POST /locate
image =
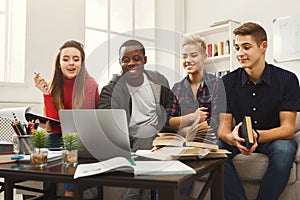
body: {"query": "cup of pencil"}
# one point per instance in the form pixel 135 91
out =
pixel 23 145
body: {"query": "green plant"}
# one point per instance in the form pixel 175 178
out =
pixel 40 139
pixel 71 142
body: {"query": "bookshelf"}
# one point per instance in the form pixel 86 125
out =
pixel 221 39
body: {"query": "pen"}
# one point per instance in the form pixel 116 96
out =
pixel 18 126
pixel 46 88
pixel 132 161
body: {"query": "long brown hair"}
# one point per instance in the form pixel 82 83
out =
pixel 56 84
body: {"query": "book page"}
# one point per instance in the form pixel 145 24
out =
pixel 162 168
pixel 24 115
pixel 172 153
pixel 118 163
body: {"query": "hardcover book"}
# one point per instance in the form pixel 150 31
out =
pixel 246 132
pixel 209 50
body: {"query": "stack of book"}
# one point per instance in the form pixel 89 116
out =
pixel 6 147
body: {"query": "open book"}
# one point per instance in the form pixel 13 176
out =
pixel 24 114
pixel 139 168
pixel 173 139
pixel 198 135
pixel 182 153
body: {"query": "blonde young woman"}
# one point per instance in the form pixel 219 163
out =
pixel 194 96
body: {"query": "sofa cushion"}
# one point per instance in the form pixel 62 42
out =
pixel 253 167
pixel 297 128
pixel 297 138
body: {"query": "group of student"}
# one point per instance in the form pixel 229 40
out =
pixel 269 94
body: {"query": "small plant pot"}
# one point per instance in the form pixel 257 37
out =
pixel 70 158
pixel 39 157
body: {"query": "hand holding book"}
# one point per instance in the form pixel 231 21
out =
pixel 246 131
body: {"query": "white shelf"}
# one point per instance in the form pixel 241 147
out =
pixel 218 58
pixel 214 35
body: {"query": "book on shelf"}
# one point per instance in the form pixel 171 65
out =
pixel 198 135
pixel 246 132
pixel 221 48
pixel 24 114
pixel 215 50
pixel 209 50
pixel 227 47
pixel 222 73
pixel 138 168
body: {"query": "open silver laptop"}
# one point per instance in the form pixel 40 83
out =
pixel 102 132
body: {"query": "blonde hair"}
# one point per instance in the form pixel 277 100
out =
pixel 194 39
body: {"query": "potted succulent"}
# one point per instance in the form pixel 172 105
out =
pixel 70 145
pixel 40 142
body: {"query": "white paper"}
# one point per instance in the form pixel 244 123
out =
pixel 118 163
pixel 173 167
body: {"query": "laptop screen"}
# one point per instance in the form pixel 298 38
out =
pixel 102 132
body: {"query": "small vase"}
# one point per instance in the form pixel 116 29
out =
pixel 38 158
pixel 70 158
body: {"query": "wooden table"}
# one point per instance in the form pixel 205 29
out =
pixel 168 186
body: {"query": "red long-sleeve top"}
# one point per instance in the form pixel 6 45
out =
pixel 91 99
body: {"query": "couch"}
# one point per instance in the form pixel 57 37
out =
pixel 252 168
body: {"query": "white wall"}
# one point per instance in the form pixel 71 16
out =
pixel 201 14
pixel 49 24
pixel 170 26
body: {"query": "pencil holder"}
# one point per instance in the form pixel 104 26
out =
pixel 23 145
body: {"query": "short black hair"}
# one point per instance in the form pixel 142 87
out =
pixel 130 43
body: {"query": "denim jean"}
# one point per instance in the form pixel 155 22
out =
pixel 281 154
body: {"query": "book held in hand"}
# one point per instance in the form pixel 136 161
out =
pixel 24 114
pixel 246 132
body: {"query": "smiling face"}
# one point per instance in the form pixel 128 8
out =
pixel 132 62
pixel 248 52
pixel 192 59
pixel 70 62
